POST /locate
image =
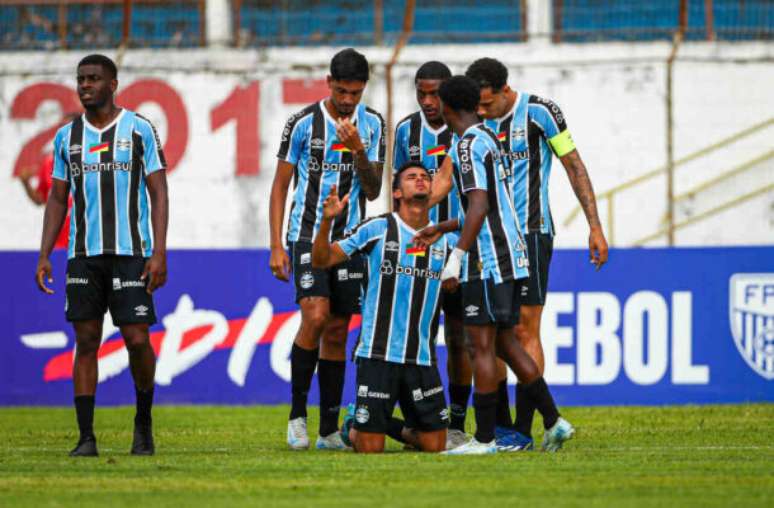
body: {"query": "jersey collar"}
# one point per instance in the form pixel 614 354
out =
pixel 327 115
pixel 429 127
pixel 108 126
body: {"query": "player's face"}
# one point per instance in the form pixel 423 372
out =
pixel 415 184
pixel 95 86
pixel 492 104
pixel 427 97
pixel 346 95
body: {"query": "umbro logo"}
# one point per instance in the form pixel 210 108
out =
pixel 318 143
pixel 75 149
pixel 141 310
pixel 392 246
pixel 471 311
pixel 414 150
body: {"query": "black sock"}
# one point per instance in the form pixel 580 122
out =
pixel 84 411
pixel 144 404
pixel 302 365
pixel 503 406
pixel 395 429
pixel 458 396
pixel 330 375
pixel 525 411
pixel 485 405
pixel 538 394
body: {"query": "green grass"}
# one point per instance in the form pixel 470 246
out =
pixel 227 456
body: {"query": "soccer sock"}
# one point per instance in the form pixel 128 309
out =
pixel 395 429
pixel 503 406
pixel 144 405
pixel 485 405
pixel 84 410
pixel 330 374
pixel 525 411
pixel 540 397
pixel 302 364
pixel 459 396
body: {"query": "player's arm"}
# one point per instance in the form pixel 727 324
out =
pixel 369 172
pixel 56 211
pixel 478 207
pixel 429 235
pixel 442 182
pixel 279 261
pixel 325 255
pixel 156 267
pixel 33 193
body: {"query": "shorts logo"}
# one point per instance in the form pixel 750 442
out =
pixel 317 143
pixel 387 267
pixel 466 167
pixel 471 311
pixel 414 151
pixel 307 280
pixel 433 391
pixel 392 246
pixel 77 281
pixel 524 290
pixel 362 415
pixel 417 394
pixel 751 315
pixel 313 165
pixel 436 252
pixel 123 144
pixel 141 310
pixel 116 283
pixel 132 284
pixel 444 414
pixel 362 391
pixel 75 149
pixel 305 258
pixel 343 275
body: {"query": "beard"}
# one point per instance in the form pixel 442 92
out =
pixel 421 196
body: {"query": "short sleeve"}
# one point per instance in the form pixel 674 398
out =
pixel 293 141
pixel 377 145
pixel 550 118
pixel 153 154
pixel 60 169
pixel 365 234
pixel 471 165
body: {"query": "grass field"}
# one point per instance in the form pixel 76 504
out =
pixel 227 456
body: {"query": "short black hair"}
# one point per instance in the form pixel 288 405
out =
pixel 460 93
pixel 349 65
pixel 488 72
pixel 404 167
pixel 105 62
pixel 433 70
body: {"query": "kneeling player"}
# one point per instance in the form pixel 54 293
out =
pixel 396 359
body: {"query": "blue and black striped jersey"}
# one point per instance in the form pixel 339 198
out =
pixel 499 252
pixel 416 140
pixel 530 133
pixel 403 294
pixel 106 170
pixel 310 144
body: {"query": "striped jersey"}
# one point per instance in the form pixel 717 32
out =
pixel 530 133
pixel 320 161
pixel 416 140
pixel 106 170
pixel 403 293
pixel 499 252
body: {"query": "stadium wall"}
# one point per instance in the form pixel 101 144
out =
pixel 221 112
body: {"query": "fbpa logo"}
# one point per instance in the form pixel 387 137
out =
pixel 751 314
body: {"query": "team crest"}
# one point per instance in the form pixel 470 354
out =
pixel 518 133
pixel 751 315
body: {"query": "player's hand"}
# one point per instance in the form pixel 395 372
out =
pixel 26 173
pixel 155 272
pixel 333 206
pixel 43 274
pixel 597 247
pixel 450 285
pixel 279 262
pixel 348 135
pixel 453 266
pixel 427 236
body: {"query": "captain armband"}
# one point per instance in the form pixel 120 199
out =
pixel 562 143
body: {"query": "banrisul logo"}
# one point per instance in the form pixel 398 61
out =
pixel 751 309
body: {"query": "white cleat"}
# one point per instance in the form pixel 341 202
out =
pixel 331 442
pixel 298 439
pixel 455 438
pixel 554 438
pixel 473 447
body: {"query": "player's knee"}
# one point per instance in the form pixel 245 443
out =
pixel 87 344
pixel 136 341
pixel 316 319
pixel 434 442
pixel 524 335
pixel 336 331
pixel 365 445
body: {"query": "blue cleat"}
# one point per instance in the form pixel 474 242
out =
pixel 554 438
pixel 514 441
pixel 346 424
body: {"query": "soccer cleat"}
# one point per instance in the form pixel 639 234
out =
pixel 346 424
pixel 557 435
pixel 473 447
pixel 455 438
pixel 142 444
pixel 298 439
pixel 332 441
pixel 513 441
pixel 86 447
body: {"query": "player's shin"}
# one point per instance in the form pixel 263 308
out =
pixel 302 365
pixel 330 374
pixel 540 398
pixel 485 405
pixel 525 411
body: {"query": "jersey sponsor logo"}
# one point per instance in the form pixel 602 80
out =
pixel 417 272
pixel 76 169
pixel 386 267
pixel 471 311
pixel 377 395
pixel 519 155
pixel 414 151
pixel 305 258
pixel 338 166
pixel 307 280
pixel 77 281
pixel 141 310
pixel 465 167
pixel 123 145
pixel 392 246
pixel 751 316
pixel 415 251
pixel 433 391
pixel 362 415
pixel 75 149
pixel 437 150
pixel 102 147
pixel 313 165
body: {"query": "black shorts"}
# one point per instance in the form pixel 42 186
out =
pixel 342 284
pixel 451 303
pixel 98 283
pixel 540 248
pixel 486 303
pixel 418 389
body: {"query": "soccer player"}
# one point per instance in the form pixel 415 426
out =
pixel 531 130
pixel 423 137
pixel 396 353
pixel 340 142
pixel 491 249
pixel 110 160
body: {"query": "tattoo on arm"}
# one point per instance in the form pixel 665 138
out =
pixel 370 174
pixel 581 185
